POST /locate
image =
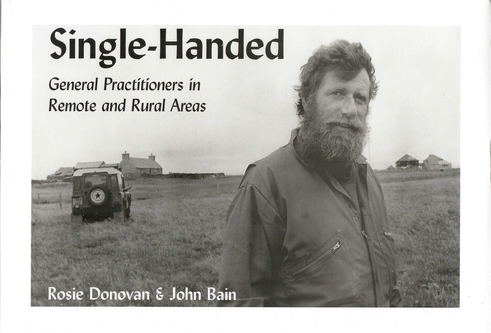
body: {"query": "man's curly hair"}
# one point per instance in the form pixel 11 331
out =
pixel 346 59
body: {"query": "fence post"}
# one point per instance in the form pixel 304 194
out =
pixel 187 191
pixel 39 198
pixel 218 188
pixel 60 202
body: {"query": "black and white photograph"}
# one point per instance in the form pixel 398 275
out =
pixel 307 226
pixel 179 166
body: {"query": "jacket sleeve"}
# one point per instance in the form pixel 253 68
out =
pixel 251 243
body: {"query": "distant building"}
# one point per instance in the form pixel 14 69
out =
pixel 434 162
pixel 406 162
pixel 61 173
pixel 135 167
pixel 390 168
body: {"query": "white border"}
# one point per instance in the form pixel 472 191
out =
pixel 18 17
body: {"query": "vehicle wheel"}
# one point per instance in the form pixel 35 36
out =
pixel 97 196
pixel 119 217
pixel 77 221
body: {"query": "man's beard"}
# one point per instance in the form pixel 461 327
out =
pixel 324 141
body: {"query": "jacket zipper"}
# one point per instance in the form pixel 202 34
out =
pixel 389 235
pixel 336 246
pixel 315 261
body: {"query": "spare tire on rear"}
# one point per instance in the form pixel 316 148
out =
pixel 97 196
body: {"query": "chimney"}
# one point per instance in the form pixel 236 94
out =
pixel 152 157
pixel 126 156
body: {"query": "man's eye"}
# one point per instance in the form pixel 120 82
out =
pixel 361 99
pixel 337 93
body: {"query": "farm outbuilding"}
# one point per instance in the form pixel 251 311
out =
pixel 61 173
pixel 406 162
pixel 434 162
pixel 135 166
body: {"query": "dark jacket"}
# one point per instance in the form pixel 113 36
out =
pixel 294 238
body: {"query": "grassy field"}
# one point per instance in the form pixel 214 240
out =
pixel 174 238
pixel 425 217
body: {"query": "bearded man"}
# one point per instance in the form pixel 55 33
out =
pixel 308 225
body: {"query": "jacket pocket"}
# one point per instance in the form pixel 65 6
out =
pixel 326 277
pixel 318 258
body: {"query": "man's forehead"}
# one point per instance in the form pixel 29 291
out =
pixel 340 75
pixel 333 79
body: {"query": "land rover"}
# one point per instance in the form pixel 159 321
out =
pixel 99 193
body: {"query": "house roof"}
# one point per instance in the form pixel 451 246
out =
pixel 63 171
pixel 406 158
pixel 144 163
pixel 433 159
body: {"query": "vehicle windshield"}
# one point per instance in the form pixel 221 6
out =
pixel 96 179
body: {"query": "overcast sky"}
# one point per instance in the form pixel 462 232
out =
pixel 249 103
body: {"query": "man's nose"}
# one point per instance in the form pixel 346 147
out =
pixel 349 107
